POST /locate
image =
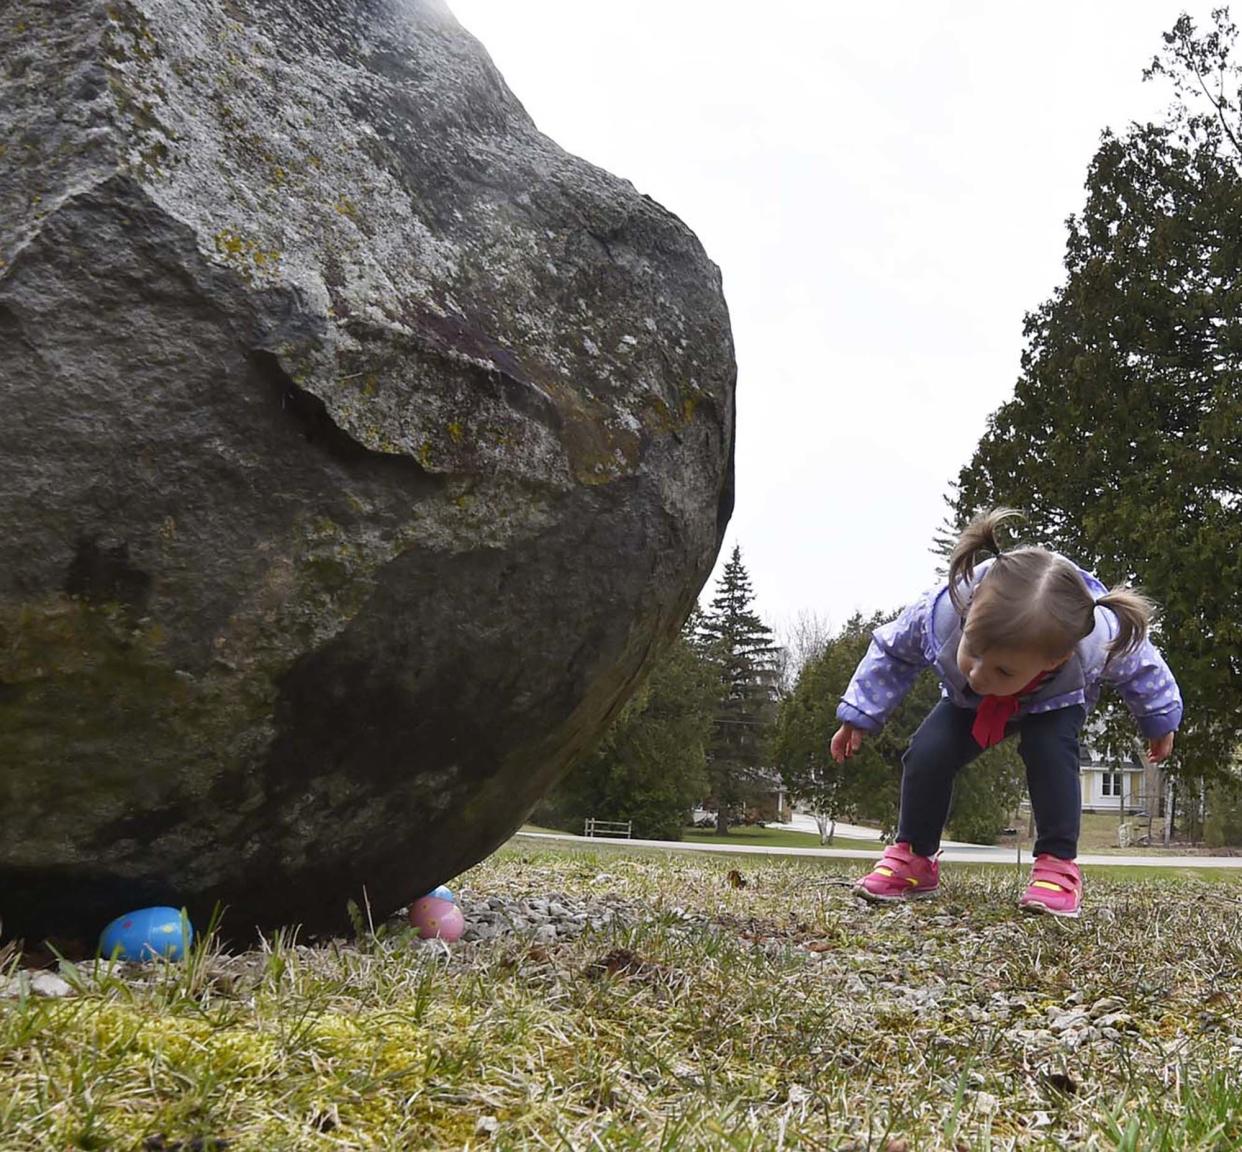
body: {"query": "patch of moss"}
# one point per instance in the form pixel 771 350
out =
pixel 74 676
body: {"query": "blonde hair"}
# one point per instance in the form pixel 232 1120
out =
pixel 1033 599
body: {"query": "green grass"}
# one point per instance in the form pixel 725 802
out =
pixel 774 838
pixel 780 1014
pixel 742 858
pixel 1098 834
pixel 746 836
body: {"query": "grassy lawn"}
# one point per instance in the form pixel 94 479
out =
pixel 748 836
pixel 774 838
pixel 1150 874
pixel 1099 835
pixel 780 1014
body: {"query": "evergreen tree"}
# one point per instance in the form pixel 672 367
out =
pixel 1123 440
pixel 740 644
pixel 650 766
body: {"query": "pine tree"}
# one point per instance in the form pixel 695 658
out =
pixel 650 766
pixel 1121 442
pixel 741 645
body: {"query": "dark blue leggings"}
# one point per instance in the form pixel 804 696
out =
pixel 943 746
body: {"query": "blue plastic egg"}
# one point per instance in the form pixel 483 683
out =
pixel 441 893
pixel 146 934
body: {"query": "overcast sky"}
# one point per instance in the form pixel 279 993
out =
pixel 885 189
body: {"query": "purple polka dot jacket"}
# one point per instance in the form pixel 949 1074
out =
pixel 927 633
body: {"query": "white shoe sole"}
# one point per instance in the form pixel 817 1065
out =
pixel 872 898
pixel 1038 909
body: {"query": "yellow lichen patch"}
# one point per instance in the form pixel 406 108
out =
pixel 229 243
pixel 345 206
pixel 456 432
pixel 244 253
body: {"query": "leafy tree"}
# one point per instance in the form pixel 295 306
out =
pixel 986 795
pixel 650 767
pixel 864 786
pixel 801 640
pixel 739 642
pixel 867 785
pixel 1123 440
pixel 1223 826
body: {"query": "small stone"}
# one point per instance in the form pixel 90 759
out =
pixel 49 984
pixel 1109 1004
pixel 1115 1020
pixel 545 934
pixel 986 1103
pixel 487 1126
pixel 1069 1021
pixel 1034 1037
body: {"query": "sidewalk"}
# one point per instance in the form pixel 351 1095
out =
pixel 800 822
pixel 962 854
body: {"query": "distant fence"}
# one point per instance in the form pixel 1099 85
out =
pixel 619 828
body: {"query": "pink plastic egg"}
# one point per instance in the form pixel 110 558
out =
pixel 437 918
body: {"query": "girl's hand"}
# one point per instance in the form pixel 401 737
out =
pixel 845 743
pixel 1160 748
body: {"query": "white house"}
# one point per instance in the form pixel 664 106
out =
pixel 1109 785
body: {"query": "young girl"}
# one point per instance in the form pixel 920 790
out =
pixel 1021 644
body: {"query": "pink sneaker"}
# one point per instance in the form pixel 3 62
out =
pixel 901 874
pixel 1055 887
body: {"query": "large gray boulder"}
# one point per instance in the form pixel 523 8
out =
pixel 359 450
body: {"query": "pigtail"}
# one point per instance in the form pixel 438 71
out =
pixel 980 536
pixel 1134 613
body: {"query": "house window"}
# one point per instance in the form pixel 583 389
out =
pixel 1110 784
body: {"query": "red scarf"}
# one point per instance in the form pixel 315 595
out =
pixel 995 712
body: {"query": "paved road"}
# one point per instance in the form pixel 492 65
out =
pixel 800 822
pixel 969 853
